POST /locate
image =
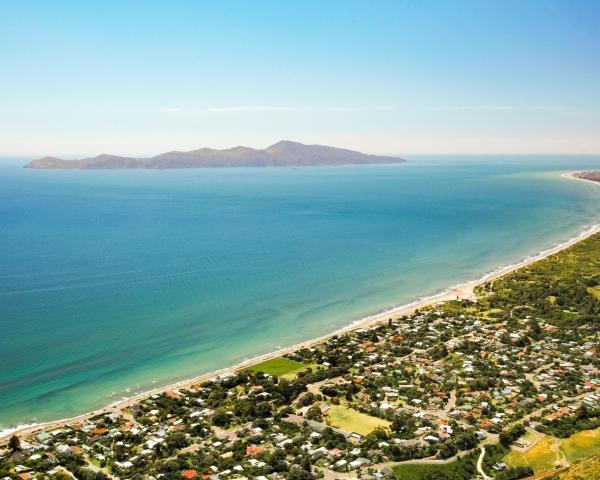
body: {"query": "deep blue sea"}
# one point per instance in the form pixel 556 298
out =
pixel 114 282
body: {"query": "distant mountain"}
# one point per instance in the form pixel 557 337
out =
pixel 281 154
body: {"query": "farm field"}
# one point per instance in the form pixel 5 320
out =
pixel 350 420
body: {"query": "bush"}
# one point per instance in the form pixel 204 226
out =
pixel 515 473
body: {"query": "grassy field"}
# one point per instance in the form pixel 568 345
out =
pixel 420 471
pixel 350 420
pixel 417 472
pixel 278 366
pixel 541 456
pixel 581 445
pixel 595 291
pixel 588 469
pixel 294 373
pixel 531 437
pixel 548 451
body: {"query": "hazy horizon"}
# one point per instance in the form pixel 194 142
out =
pixel 403 78
pixel 19 159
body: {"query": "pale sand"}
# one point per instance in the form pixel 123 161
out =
pixel 572 176
pixel 461 291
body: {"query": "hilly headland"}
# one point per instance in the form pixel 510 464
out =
pixel 281 154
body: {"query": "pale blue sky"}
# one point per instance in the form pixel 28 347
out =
pixel 81 78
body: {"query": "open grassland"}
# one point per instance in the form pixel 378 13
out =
pixel 350 420
pixel 582 445
pixel 278 366
pixel 585 470
pixel 543 455
pixel 547 452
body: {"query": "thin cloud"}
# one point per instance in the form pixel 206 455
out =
pixel 248 108
pixel 500 108
pixel 345 109
pixel 477 108
pixel 545 108
pixel 309 109
pixel 275 108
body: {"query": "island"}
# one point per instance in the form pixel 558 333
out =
pixel 282 154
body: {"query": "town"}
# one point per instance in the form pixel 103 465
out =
pixel 456 390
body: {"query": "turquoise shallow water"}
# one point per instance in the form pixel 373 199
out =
pixel 114 282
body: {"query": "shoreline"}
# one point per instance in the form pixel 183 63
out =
pixel 463 290
pixel 572 176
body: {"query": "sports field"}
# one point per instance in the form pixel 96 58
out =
pixel 278 366
pixel 350 420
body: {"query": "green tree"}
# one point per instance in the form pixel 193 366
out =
pixel 298 473
pixel 536 330
pixel 175 441
pixel 305 464
pixel 314 413
pixel 14 443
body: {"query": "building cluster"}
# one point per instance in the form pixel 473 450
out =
pixel 434 384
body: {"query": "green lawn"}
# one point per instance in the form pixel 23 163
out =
pixel 531 437
pixel 278 366
pixel 419 471
pixel 350 420
pixel 581 445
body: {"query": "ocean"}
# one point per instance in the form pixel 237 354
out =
pixel 115 282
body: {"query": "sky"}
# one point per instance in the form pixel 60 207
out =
pixel 389 77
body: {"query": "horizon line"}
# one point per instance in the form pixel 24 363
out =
pixel 8 157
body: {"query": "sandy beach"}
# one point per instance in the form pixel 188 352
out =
pixel 460 291
pixel 572 176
